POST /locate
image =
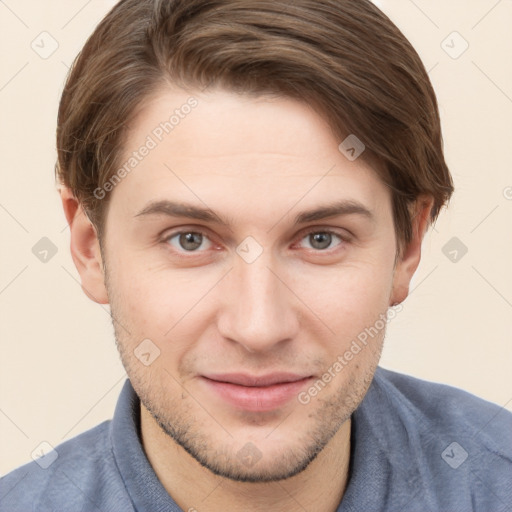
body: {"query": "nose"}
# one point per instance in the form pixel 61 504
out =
pixel 258 310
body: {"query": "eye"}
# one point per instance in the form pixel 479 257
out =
pixel 322 240
pixel 188 241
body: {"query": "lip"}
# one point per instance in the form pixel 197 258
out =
pixel 256 393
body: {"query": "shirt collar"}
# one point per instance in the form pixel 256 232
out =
pixel 385 471
pixel 145 490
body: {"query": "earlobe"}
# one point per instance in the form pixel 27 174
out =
pixel 85 248
pixel 411 255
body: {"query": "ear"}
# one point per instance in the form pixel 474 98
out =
pixel 408 261
pixel 85 248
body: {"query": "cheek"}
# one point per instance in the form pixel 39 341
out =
pixel 134 294
pixel 158 303
pixel 359 321
pixel 357 291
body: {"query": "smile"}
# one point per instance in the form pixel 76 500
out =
pixel 256 393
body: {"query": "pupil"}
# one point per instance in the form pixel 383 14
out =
pixel 190 241
pixel 324 240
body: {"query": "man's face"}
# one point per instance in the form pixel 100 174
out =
pixel 224 305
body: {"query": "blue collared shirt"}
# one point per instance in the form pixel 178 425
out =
pixel 416 446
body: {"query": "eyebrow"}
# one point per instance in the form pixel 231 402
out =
pixel 179 209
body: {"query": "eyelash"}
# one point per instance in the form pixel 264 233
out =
pixel 343 237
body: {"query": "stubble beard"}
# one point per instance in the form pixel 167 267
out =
pixel 175 418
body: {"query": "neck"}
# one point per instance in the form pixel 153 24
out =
pixel 194 488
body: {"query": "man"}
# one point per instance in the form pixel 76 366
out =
pixel 247 185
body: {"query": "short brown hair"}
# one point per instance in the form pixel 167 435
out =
pixel 345 58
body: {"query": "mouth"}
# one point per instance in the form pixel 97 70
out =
pixel 254 393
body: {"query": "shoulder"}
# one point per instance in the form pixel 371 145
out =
pixel 443 406
pixel 79 474
pixel 455 445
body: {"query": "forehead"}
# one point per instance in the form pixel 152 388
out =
pixel 261 124
pixel 238 150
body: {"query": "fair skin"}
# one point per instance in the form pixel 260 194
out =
pixel 257 163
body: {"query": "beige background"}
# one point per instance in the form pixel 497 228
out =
pixel 59 369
